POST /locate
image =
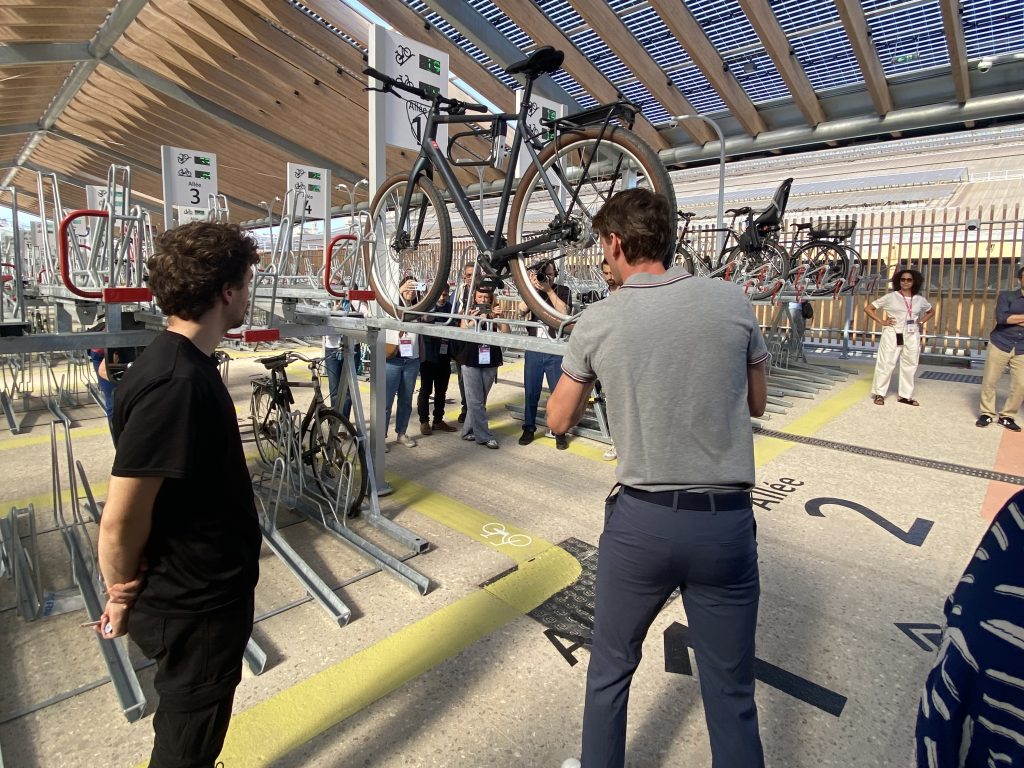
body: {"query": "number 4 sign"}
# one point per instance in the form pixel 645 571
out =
pixel 189 178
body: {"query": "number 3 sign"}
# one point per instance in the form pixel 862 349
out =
pixel 189 178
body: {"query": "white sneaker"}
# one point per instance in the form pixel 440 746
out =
pixel 571 762
pixel 407 441
pixel 610 455
pixel 550 434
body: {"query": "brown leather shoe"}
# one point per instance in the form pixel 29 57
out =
pixel 441 426
pixel 425 428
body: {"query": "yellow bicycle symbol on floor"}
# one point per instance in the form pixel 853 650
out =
pixel 504 537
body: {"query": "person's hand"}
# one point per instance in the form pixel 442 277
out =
pixel 113 621
pixel 890 321
pixel 126 593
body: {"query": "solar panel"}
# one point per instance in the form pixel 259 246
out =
pixel 656 38
pixel 497 19
pixel 909 39
pixel 560 13
pixel 798 15
pixel 591 45
pixel 992 27
pixel 828 59
pixel 695 88
pixel 759 77
pixel 724 22
pixel 639 95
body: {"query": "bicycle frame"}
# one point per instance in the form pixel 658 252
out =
pixel 431 157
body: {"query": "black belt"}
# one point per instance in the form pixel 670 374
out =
pixel 698 502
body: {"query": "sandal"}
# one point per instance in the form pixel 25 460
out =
pixel 907 401
pixel 879 400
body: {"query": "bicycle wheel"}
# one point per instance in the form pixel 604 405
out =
pixel 761 269
pixel 265 426
pixel 577 160
pixel 336 455
pixel 823 264
pixel 423 247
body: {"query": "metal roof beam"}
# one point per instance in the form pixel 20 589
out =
pixel 121 16
pixel 14 130
pixel 953 27
pixel 15 54
pixel 694 40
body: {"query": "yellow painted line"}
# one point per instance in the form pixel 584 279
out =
pixel 23 441
pixel 466 520
pixel 270 730
pixel 768 448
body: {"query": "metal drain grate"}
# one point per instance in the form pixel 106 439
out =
pixel 960 378
pixel 944 466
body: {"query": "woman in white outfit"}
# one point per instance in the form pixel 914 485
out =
pixel 904 311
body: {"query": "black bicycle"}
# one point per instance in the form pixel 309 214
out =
pixel 752 257
pixel 576 164
pixel 326 442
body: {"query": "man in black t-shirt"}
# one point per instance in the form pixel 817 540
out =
pixel 180 503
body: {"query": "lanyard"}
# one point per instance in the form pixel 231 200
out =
pixel 910 305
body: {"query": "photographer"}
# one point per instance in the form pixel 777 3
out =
pixel 539 365
pixel 479 369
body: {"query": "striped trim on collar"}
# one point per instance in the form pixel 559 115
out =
pixel 657 285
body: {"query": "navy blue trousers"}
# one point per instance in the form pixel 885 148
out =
pixel 537 366
pixel 646 552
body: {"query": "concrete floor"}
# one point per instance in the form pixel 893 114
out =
pixel 465 676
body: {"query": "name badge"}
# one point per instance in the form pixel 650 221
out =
pixel 484 357
pixel 405 347
pixel 443 349
pixel 911 327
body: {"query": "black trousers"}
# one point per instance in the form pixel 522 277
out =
pixel 198 666
pixel 434 378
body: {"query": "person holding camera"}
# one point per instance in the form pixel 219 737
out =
pixel 435 372
pixel 538 365
pixel 906 310
pixel 403 365
pixel 479 369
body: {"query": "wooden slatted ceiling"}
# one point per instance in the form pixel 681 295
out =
pixel 51 20
pixel 10 146
pixel 26 90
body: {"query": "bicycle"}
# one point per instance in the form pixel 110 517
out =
pixel 327 442
pixel 570 176
pixel 753 257
pixel 825 261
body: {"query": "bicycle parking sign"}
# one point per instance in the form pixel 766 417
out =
pixel 189 178
pixel 312 186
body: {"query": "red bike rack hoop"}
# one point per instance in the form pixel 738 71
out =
pixel 351 295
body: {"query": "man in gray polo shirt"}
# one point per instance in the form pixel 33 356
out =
pixel 682 363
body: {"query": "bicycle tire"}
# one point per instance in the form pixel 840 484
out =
pixel 263 412
pixel 423 250
pixel 584 254
pixel 771 264
pixel 333 445
pixel 824 258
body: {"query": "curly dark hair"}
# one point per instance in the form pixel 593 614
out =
pixel 194 262
pixel 918 280
pixel 644 222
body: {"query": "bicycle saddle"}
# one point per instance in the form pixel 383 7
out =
pixel 277 361
pixel 543 61
pixel 740 211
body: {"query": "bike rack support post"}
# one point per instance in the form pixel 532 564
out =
pixel 85 571
pixel 255 658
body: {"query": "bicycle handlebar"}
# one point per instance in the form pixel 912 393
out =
pixel 453 106
pixel 280 361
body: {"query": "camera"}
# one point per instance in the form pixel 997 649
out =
pixel 421 287
pixel 484 309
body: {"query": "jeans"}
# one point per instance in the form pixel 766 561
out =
pixel 434 378
pixel 478 383
pixel 106 388
pixel 537 366
pixel 646 552
pixel 334 362
pixel 401 382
